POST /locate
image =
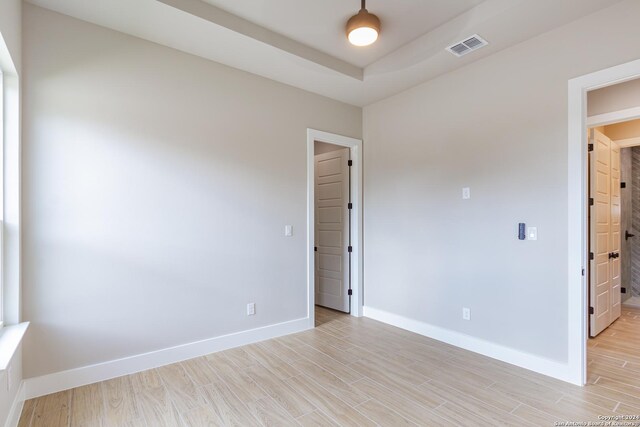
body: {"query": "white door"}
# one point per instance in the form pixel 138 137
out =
pixel 604 239
pixel 616 262
pixel 332 229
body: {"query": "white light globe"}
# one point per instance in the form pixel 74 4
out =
pixel 363 36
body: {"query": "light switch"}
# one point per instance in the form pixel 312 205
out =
pixel 532 233
pixel 288 230
pixel 466 193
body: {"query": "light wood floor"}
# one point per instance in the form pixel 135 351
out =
pixel 357 372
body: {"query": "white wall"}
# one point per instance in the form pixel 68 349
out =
pixel 11 31
pixel 11 400
pixel 156 190
pixel 500 127
pixel 614 98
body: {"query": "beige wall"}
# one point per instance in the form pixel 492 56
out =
pixel 625 130
pixel 614 98
pixel 498 126
pixel 156 190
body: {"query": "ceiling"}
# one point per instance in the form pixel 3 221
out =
pixel 321 24
pixel 302 42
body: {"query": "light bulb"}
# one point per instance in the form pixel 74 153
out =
pixel 363 36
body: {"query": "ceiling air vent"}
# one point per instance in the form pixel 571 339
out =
pixel 468 45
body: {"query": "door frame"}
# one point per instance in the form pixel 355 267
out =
pixel 355 148
pixel 577 226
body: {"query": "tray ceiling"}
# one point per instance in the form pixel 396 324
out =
pixel 301 42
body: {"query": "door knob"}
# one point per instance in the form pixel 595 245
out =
pixel 627 235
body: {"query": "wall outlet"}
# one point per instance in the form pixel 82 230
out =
pixel 466 313
pixel 532 233
pixel 466 193
pixel 251 309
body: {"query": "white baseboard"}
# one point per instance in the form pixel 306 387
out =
pixel 64 380
pixel 534 363
pixel 16 408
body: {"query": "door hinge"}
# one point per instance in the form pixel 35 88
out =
pixel 590 147
pixel 350 249
pixel 590 201
pixel 350 206
pixel 349 292
pixel 591 257
pixel 591 311
pixel 583 271
pixel 350 163
pixel 315 249
pixel 623 185
pixel 623 290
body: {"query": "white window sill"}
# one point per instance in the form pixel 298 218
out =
pixel 10 339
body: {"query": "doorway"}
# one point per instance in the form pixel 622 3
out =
pixel 624 138
pixel 614 202
pixel 578 205
pixel 614 217
pixel 332 226
pixel 334 223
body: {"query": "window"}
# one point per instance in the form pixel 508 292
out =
pixel 9 194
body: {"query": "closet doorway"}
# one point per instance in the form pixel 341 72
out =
pixel 332 226
pixel 334 223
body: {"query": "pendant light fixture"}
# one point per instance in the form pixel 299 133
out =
pixel 363 28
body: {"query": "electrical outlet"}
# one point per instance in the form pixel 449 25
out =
pixel 532 233
pixel 251 309
pixel 466 193
pixel 466 313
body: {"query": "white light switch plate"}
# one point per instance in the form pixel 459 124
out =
pixel 251 309
pixel 466 193
pixel 532 233
pixel 288 230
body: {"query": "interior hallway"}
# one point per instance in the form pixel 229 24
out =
pixel 354 371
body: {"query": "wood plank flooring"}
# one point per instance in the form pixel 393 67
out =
pixel 354 372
